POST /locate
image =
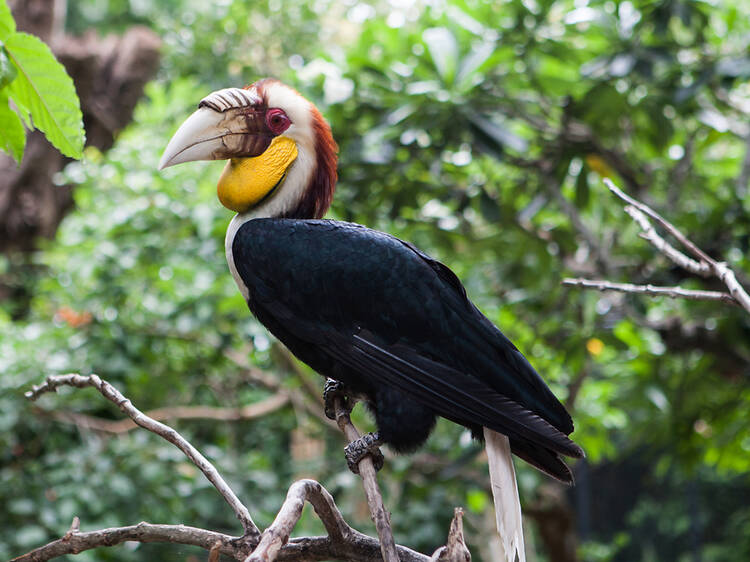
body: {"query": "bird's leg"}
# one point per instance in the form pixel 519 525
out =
pixel 366 445
pixel 335 389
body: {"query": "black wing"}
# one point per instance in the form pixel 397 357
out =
pixel 338 293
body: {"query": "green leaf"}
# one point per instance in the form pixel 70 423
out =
pixel 45 89
pixel 444 51
pixel 468 73
pixel 12 133
pixel 23 111
pixel 7 70
pixel 7 23
pixel 477 500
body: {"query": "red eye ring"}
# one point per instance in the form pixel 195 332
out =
pixel 277 120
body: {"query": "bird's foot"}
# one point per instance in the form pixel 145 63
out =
pixel 366 445
pixel 332 390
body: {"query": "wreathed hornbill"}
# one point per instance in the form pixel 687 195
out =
pixel 375 313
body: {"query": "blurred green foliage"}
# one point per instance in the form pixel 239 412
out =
pixel 480 131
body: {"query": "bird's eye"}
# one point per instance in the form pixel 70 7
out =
pixel 277 120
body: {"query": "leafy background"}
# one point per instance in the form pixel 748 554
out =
pixel 480 131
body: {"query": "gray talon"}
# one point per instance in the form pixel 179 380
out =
pixel 366 445
pixel 334 389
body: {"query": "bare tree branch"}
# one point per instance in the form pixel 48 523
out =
pixel 737 291
pixel 372 491
pixel 117 427
pixel 343 538
pixel 649 233
pixel 668 226
pixel 75 541
pixel 343 542
pixel 704 265
pixel 673 292
pixel 277 534
pixel 111 393
pixel 358 547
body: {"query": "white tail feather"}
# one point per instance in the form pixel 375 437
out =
pixel 505 494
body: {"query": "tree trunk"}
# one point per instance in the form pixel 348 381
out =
pixel 109 74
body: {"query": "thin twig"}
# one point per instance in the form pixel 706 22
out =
pixel 111 393
pixel 720 269
pixel 75 541
pixel 116 427
pixel 673 292
pixel 668 226
pixel 372 491
pixel 649 233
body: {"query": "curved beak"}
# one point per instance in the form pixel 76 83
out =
pixel 218 135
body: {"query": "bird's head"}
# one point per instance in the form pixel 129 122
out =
pixel 281 155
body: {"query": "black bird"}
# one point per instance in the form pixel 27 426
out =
pixel 362 307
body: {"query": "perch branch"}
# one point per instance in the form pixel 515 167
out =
pixel 673 292
pixel 111 393
pixel 372 491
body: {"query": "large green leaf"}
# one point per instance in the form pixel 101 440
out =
pixel 12 133
pixel 7 70
pixel 45 89
pixel 7 23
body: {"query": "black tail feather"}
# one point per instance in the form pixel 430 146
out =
pixel 544 459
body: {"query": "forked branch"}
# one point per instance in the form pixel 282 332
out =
pixel 343 542
pixel 652 290
pixel 126 406
pixel 700 263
